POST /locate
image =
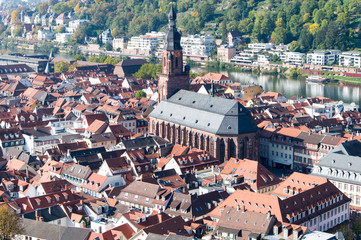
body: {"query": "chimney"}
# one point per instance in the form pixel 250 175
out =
pixel 37 215
pixel 295 234
pixel 243 209
pixel 275 230
pixel 268 215
pixel 285 232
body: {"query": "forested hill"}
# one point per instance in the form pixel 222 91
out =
pixel 309 24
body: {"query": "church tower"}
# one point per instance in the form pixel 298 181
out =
pixel 173 77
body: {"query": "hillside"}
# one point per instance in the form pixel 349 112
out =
pixel 308 24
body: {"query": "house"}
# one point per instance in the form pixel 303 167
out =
pixel 193 206
pixel 42 230
pixel 62 19
pixel 250 173
pixel 313 202
pixel 145 196
pixel 11 138
pixel 340 166
pixel 174 225
pixel 237 223
pixel 194 160
pixel 96 184
pixel 126 68
pixel 76 174
pixel 234 38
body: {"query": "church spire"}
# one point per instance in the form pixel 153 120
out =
pixel 173 36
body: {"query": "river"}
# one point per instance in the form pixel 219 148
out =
pixel 293 87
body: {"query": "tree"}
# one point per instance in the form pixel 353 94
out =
pixel 79 57
pixel 62 66
pixel 60 8
pixel 224 31
pixel 280 33
pixel 115 32
pixel 42 7
pixel 108 46
pixel 295 46
pixel 276 58
pixel 148 71
pixel 17 31
pixel 10 223
pixel 80 34
pixel 60 29
pixel 356 227
pixel 15 15
pixel 140 94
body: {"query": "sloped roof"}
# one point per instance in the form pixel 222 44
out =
pixel 203 112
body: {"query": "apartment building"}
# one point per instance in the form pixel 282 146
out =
pixel 295 58
pixel 225 53
pixel 261 46
pixel 144 42
pixel 247 57
pixel 62 37
pixel 323 57
pixel 120 43
pixel 197 45
pixel 342 167
pixel 350 59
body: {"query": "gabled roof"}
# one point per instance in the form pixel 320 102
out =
pixel 203 112
pixel 251 171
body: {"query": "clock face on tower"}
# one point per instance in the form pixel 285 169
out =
pixel 177 54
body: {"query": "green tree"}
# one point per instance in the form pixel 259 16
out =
pixel 80 34
pixel 79 57
pixel 224 31
pixel 148 71
pixel 280 33
pixel 61 7
pixel 18 30
pixel 42 7
pixel 10 223
pixel 108 46
pixel 276 58
pixel 356 227
pixel 60 29
pixel 62 66
pixel 140 94
pixel 295 46
pixel 245 26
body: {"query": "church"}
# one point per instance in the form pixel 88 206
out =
pixel 223 127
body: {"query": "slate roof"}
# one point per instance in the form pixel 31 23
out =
pixel 203 112
pixel 345 157
pixel 50 231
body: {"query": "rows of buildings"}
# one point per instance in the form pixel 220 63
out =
pixel 82 158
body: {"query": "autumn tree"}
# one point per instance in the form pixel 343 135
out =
pixel 15 15
pixel 10 223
